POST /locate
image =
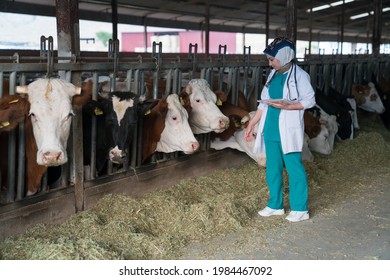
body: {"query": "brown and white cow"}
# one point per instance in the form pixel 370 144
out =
pixel 166 129
pixel 205 115
pixel 238 142
pixel 47 112
pixel 367 98
pixel 323 140
pixel 238 117
pixel 51 116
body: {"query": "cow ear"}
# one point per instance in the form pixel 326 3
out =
pixel 95 108
pixel 22 89
pixel 146 107
pixel 221 96
pixel 188 89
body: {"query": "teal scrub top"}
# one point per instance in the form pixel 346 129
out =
pixel 271 125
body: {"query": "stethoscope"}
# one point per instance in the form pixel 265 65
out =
pixel 267 85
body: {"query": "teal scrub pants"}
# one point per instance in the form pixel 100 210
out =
pixel 296 174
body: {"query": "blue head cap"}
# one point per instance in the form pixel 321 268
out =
pixel 277 44
pixel 282 49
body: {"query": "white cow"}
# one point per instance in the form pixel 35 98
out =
pixel 306 153
pixel 238 142
pixel 177 134
pixel 205 115
pixel 367 98
pixel 323 143
pixel 51 115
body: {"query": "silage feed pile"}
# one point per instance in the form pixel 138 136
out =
pixel 160 224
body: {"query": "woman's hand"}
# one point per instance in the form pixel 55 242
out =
pixel 248 133
pixel 279 104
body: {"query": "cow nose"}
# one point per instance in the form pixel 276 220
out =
pixel 117 156
pixel 195 146
pixel 52 157
pixel 224 122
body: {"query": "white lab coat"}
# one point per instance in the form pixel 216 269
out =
pixel 291 124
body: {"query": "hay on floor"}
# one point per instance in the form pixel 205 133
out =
pixel 160 224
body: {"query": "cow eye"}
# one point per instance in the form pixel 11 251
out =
pixel 69 116
pixel 32 115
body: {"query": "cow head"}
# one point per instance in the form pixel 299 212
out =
pixel 177 134
pixel 367 98
pixel 320 143
pixel 120 110
pixel 166 128
pixel 51 115
pixel 205 115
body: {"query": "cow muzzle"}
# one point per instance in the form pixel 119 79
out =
pixel 51 158
pixel 193 148
pixel 116 155
pixel 223 124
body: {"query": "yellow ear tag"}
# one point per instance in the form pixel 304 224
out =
pixel 4 124
pixel 219 102
pixel 13 101
pixel 98 112
pixel 147 112
pixel 182 101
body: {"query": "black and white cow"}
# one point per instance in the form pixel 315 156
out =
pixel 116 119
pixel 342 111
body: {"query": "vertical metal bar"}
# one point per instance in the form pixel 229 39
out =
pixel 114 18
pixel 247 52
pixel 176 87
pixel 157 58
pixel 133 148
pixel 11 149
pixel 1 84
pixel 21 156
pixel 207 27
pixel 93 173
pixel 168 83
pixel 129 75
pixel 1 95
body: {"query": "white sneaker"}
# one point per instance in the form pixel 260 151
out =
pixel 297 216
pixel 266 212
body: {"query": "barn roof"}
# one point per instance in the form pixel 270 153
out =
pixel 247 16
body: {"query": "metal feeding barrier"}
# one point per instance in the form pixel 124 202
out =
pixel 234 74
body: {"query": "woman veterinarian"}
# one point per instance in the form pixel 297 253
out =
pixel 285 96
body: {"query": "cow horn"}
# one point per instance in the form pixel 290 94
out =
pixel 78 90
pixel 22 89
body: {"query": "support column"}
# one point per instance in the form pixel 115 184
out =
pixel 68 34
pixel 291 20
pixel 377 28
pixel 207 27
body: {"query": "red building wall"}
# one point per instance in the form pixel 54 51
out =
pixel 131 41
